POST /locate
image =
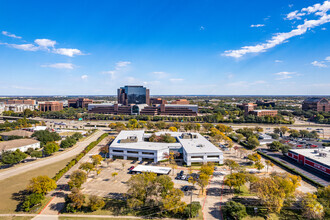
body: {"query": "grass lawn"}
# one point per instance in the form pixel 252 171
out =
pixel 251 217
pixel 16 183
pixel 244 191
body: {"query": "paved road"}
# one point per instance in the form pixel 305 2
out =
pixel 59 194
pixel 45 161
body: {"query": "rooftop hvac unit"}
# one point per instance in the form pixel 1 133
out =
pixel 323 154
pixel 316 151
pixel 200 145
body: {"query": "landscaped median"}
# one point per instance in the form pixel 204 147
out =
pixel 75 160
pixel 292 170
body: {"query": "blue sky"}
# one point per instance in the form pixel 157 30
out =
pixel 274 47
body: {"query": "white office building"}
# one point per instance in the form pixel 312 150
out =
pixel 134 145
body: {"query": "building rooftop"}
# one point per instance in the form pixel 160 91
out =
pixel 315 99
pixel 7 145
pixel 315 154
pixel 196 144
pixel 152 169
pixel 21 133
pixel 264 110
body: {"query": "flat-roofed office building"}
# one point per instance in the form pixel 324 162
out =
pixel 134 145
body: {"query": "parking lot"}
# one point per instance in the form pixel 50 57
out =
pixel 106 185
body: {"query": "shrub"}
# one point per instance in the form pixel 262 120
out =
pixel 95 203
pixel 234 210
pixel 32 200
pixel 193 209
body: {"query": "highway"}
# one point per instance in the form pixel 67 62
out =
pixel 16 170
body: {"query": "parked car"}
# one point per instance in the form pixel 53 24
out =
pixel 131 168
pixel 181 173
pixel 183 177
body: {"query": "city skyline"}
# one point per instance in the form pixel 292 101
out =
pixel 213 48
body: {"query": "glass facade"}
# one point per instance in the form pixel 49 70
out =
pixel 133 95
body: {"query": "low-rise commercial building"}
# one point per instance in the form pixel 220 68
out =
pixel 21 101
pixel 316 104
pixel 194 148
pixel 50 106
pixel 16 107
pixel 79 103
pixel 318 159
pixel 17 133
pixel 264 112
pixel 20 144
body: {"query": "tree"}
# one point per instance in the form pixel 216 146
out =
pixel 203 180
pixel 259 165
pixel 275 146
pixel 254 157
pixel 207 169
pixel 36 154
pixel 234 210
pixel 77 178
pixel 50 148
pixel 46 136
pixel 75 200
pixel 269 164
pixel 283 130
pixel 251 178
pixel 193 181
pixel 13 157
pixel 148 189
pixel 311 208
pixel 114 174
pixel 239 137
pixel 88 167
pixel 273 191
pixel 41 185
pixel 32 200
pixel 192 209
pixel 323 197
pixel 97 159
pixel 207 126
pixel 236 180
pixel 173 129
pixel 95 203
pixel 232 164
pixel 253 142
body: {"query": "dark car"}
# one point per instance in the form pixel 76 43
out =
pixel 131 168
pixel 181 173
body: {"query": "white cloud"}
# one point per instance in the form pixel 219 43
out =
pixel 295 15
pixel 318 64
pixel 257 25
pixel 122 64
pixel 290 5
pixel 279 38
pixel 45 43
pixel 278 61
pixel 6 33
pixel 119 67
pixel 84 77
pixel 160 74
pixel 26 47
pixel 327 58
pixel 323 29
pixel 60 65
pixel 67 52
pixel 285 75
pixel 130 79
pixel 245 83
pixel 202 28
pixel 176 80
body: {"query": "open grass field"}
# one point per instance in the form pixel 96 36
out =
pixel 16 183
pixel 15 217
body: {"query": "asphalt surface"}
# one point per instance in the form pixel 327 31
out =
pixel 13 171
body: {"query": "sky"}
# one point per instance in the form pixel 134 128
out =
pixel 179 47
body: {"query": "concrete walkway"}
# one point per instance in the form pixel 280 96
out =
pixel 48 160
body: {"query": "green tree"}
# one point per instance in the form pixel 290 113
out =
pixel 269 164
pixel 13 157
pixel 253 142
pixel 203 181
pixel 31 200
pixel 259 165
pixel 88 167
pixel 237 180
pixel 97 159
pixel 77 178
pixel 41 185
pixel 36 154
pixel 75 200
pixel 323 197
pixel 234 210
pixel 311 208
pixel 95 203
pixel 50 148
pixel 232 164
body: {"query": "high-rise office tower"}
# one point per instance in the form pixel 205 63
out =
pixel 133 95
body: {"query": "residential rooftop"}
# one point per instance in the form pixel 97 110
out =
pixel 21 133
